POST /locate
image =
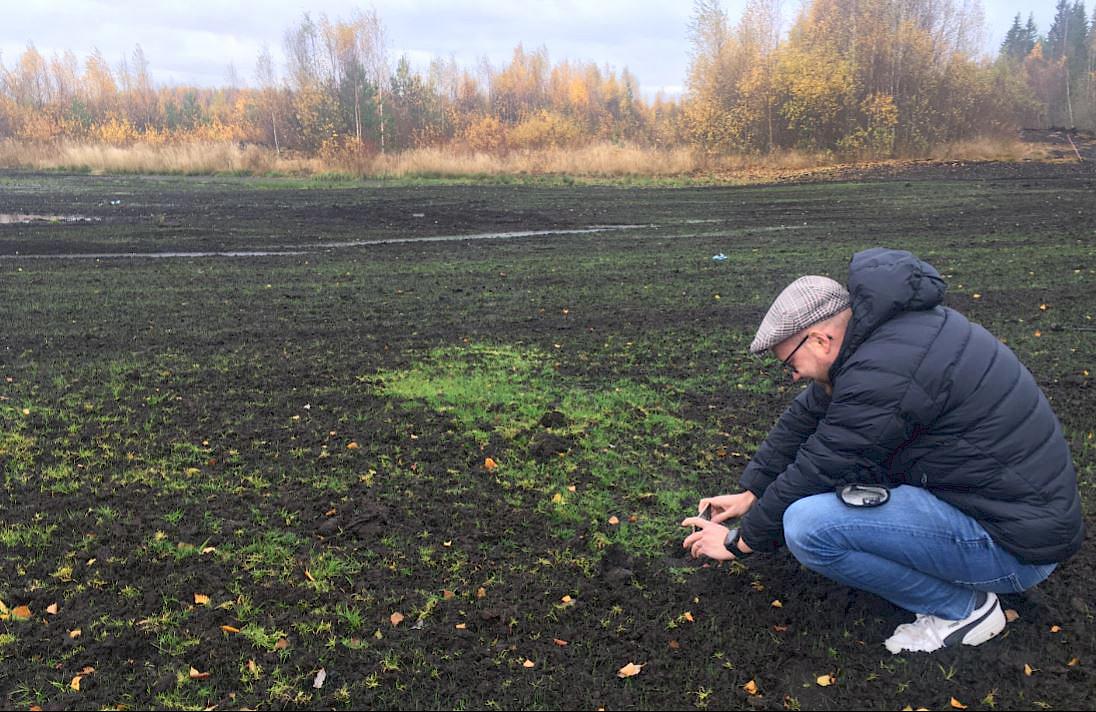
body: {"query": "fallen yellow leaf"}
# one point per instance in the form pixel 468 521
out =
pixel 252 667
pixel 777 604
pixel 75 633
pixel 528 663
pixel 200 599
pixel 75 684
pixel 481 592
pixel 21 612
pixel 282 644
pixel 1028 670
pixel 613 520
pixel 630 670
pixel 461 626
pixel 1055 629
pixel 308 575
pixel 687 615
pixel 750 687
pixel 825 680
pixel 230 629
pixel 957 704
pixel 52 609
pixel 561 643
pixel 195 675
pixel 1074 662
pixel 353 446
pixel 571 488
pixel 396 618
pixel 446 594
pixel 490 465
pixel 1011 615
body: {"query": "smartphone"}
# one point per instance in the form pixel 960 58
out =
pixel 707 513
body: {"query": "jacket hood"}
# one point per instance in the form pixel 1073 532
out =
pixel 882 284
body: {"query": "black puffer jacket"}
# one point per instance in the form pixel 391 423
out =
pixel 922 396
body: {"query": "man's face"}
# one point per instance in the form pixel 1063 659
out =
pixel 807 355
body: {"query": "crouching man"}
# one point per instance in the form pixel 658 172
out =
pixel 923 463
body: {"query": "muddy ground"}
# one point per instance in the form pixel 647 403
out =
pixel 218 470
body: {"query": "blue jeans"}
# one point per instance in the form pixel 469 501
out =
pixel 916 551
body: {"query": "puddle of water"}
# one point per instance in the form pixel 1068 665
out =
pixel 478 236
pixel 154 255
pixel 313 248
pixel 24 218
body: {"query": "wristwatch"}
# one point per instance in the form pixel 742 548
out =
pixel 731 543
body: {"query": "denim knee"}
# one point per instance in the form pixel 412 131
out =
pixel 803 520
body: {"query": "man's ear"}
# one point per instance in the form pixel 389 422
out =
pixel 824 340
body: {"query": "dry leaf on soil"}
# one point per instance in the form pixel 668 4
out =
pixel 750 687
pixel 195 675
pixel 957 704
pixel 1011 615
pixel 528 663
pixel 320 677
pixel 825 680
pixel 630 670
pixel 52 609
pixel 200 599
pixel 396 618
pixel 490 465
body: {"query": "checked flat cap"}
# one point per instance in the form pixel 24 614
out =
pixel 806 301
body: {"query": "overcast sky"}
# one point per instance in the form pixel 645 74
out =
pixel 195 41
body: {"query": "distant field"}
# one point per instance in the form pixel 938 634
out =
pixel 232 471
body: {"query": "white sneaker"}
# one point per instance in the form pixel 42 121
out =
pixel 929 633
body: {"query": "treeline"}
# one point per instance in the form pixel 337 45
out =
pixel 1058 68
pixel 340 92
pixel 878 77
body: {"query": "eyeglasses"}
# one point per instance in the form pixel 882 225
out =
pixel 785 363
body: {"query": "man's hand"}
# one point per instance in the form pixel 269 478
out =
pixel 728 506
pixel 707 540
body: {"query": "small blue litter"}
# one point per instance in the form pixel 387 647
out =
pixel 720 257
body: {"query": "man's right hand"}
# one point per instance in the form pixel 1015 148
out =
pixel 728 506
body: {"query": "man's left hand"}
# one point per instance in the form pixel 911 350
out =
pixel 707 540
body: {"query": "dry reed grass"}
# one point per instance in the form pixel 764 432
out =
pixel 599 160
pixel 990 149
pixel 189 158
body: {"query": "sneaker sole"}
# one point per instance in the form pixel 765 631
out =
pixel 980 630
